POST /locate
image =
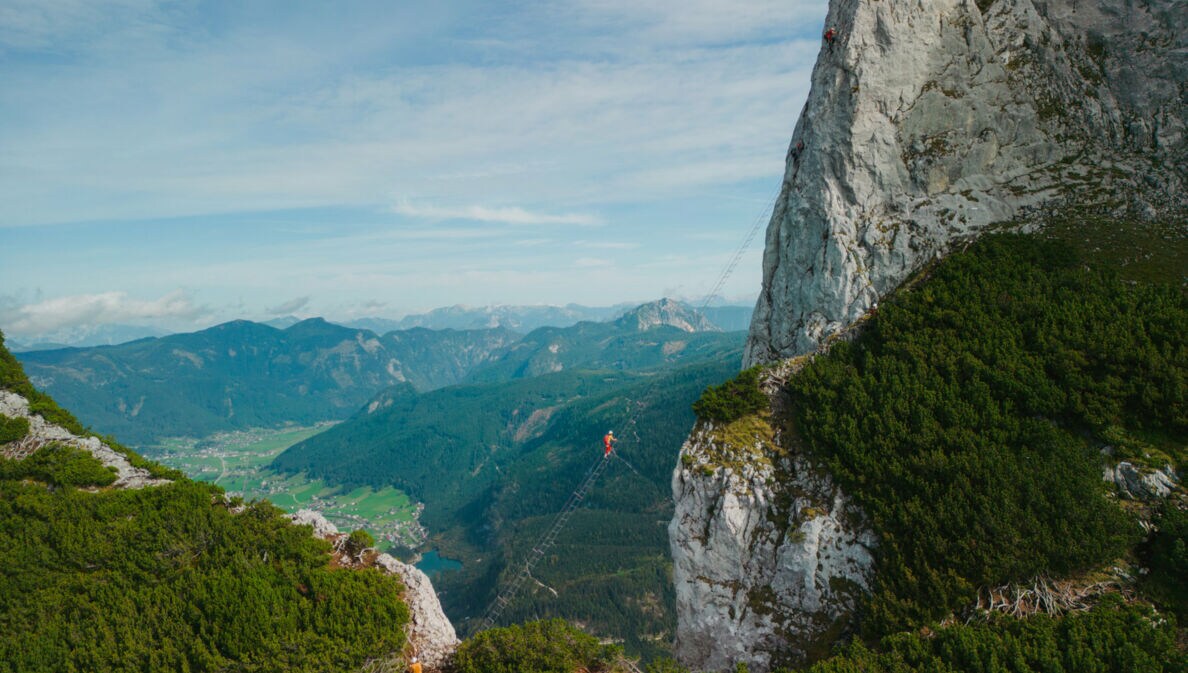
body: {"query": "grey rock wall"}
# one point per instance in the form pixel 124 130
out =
pixel 769 557
pixel 929 120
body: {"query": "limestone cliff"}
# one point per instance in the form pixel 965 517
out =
pixel 929 121
pixel 769 556
pixel 926 124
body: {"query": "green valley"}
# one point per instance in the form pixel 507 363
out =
pixel 239 462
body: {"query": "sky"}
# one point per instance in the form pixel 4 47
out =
pixel 181 163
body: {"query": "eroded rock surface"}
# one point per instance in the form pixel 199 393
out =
pixel 430 632
pixel 929 121
pixel 43 433
pixel 432 635
pixel 1139 483
pixel 769 556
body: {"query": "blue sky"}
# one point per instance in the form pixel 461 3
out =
pixel 182 163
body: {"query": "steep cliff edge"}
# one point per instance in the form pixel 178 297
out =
pixel 939 460
pixel 929 121
pixel 766 548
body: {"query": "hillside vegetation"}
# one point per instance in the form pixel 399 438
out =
pixel 493 463
pixel 968 421
pixel 169 578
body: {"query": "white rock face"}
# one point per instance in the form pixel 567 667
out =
pixel 42 434
pixel 322 527
pixel 1137 483
pixel 768 556
pixel 928 121
pixel 432 635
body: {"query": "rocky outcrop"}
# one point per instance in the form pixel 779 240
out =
pixel 42 433
pixel 1137 483
pixel 666 312
pixel 769 556
pixel 927 122
pixel 431 636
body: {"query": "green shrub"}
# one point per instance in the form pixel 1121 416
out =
pixel 358 541
pixel 1166 557
pixel 12 429
pixel 1111 638
pixel 959 420
pixel 60 466
pixel 733 399
pixel 549 646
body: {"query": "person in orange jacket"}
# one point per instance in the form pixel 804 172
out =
pixel 609 441
pixel 414 666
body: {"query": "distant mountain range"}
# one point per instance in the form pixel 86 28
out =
pixel 82 337
pixel 522 319
pixel 243 374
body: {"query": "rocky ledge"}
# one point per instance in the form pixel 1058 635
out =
pixel 42 434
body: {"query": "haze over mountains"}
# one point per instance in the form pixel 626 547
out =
pixel 522 319
pixel 242 374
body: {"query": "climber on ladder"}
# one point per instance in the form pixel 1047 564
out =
pixel 609 441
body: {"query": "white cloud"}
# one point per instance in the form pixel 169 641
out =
pixel 606 245
pixel 291 306
pixel 23 320
pixel 252 120
pixel 502 215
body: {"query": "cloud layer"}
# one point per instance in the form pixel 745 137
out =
pixel 92 309
pixel 411 154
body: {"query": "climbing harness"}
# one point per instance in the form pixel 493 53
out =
pixel 512 588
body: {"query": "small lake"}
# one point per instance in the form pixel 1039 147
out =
pixel 432 563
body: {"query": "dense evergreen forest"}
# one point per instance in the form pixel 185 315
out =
pixel 969 420
pixel 168 578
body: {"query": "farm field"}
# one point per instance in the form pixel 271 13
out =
pixel 238 462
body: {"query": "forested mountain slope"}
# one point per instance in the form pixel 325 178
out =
pixel 243 374
pixel 492 463
pixel 663 333
pixel 166 577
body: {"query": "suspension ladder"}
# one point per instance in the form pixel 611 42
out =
pixel 542 545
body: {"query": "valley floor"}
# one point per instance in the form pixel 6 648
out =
pixel 238 462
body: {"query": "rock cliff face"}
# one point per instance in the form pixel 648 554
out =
pixel 769 556
pixel 929 121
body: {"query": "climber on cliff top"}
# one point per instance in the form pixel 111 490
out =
pixel 609 441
